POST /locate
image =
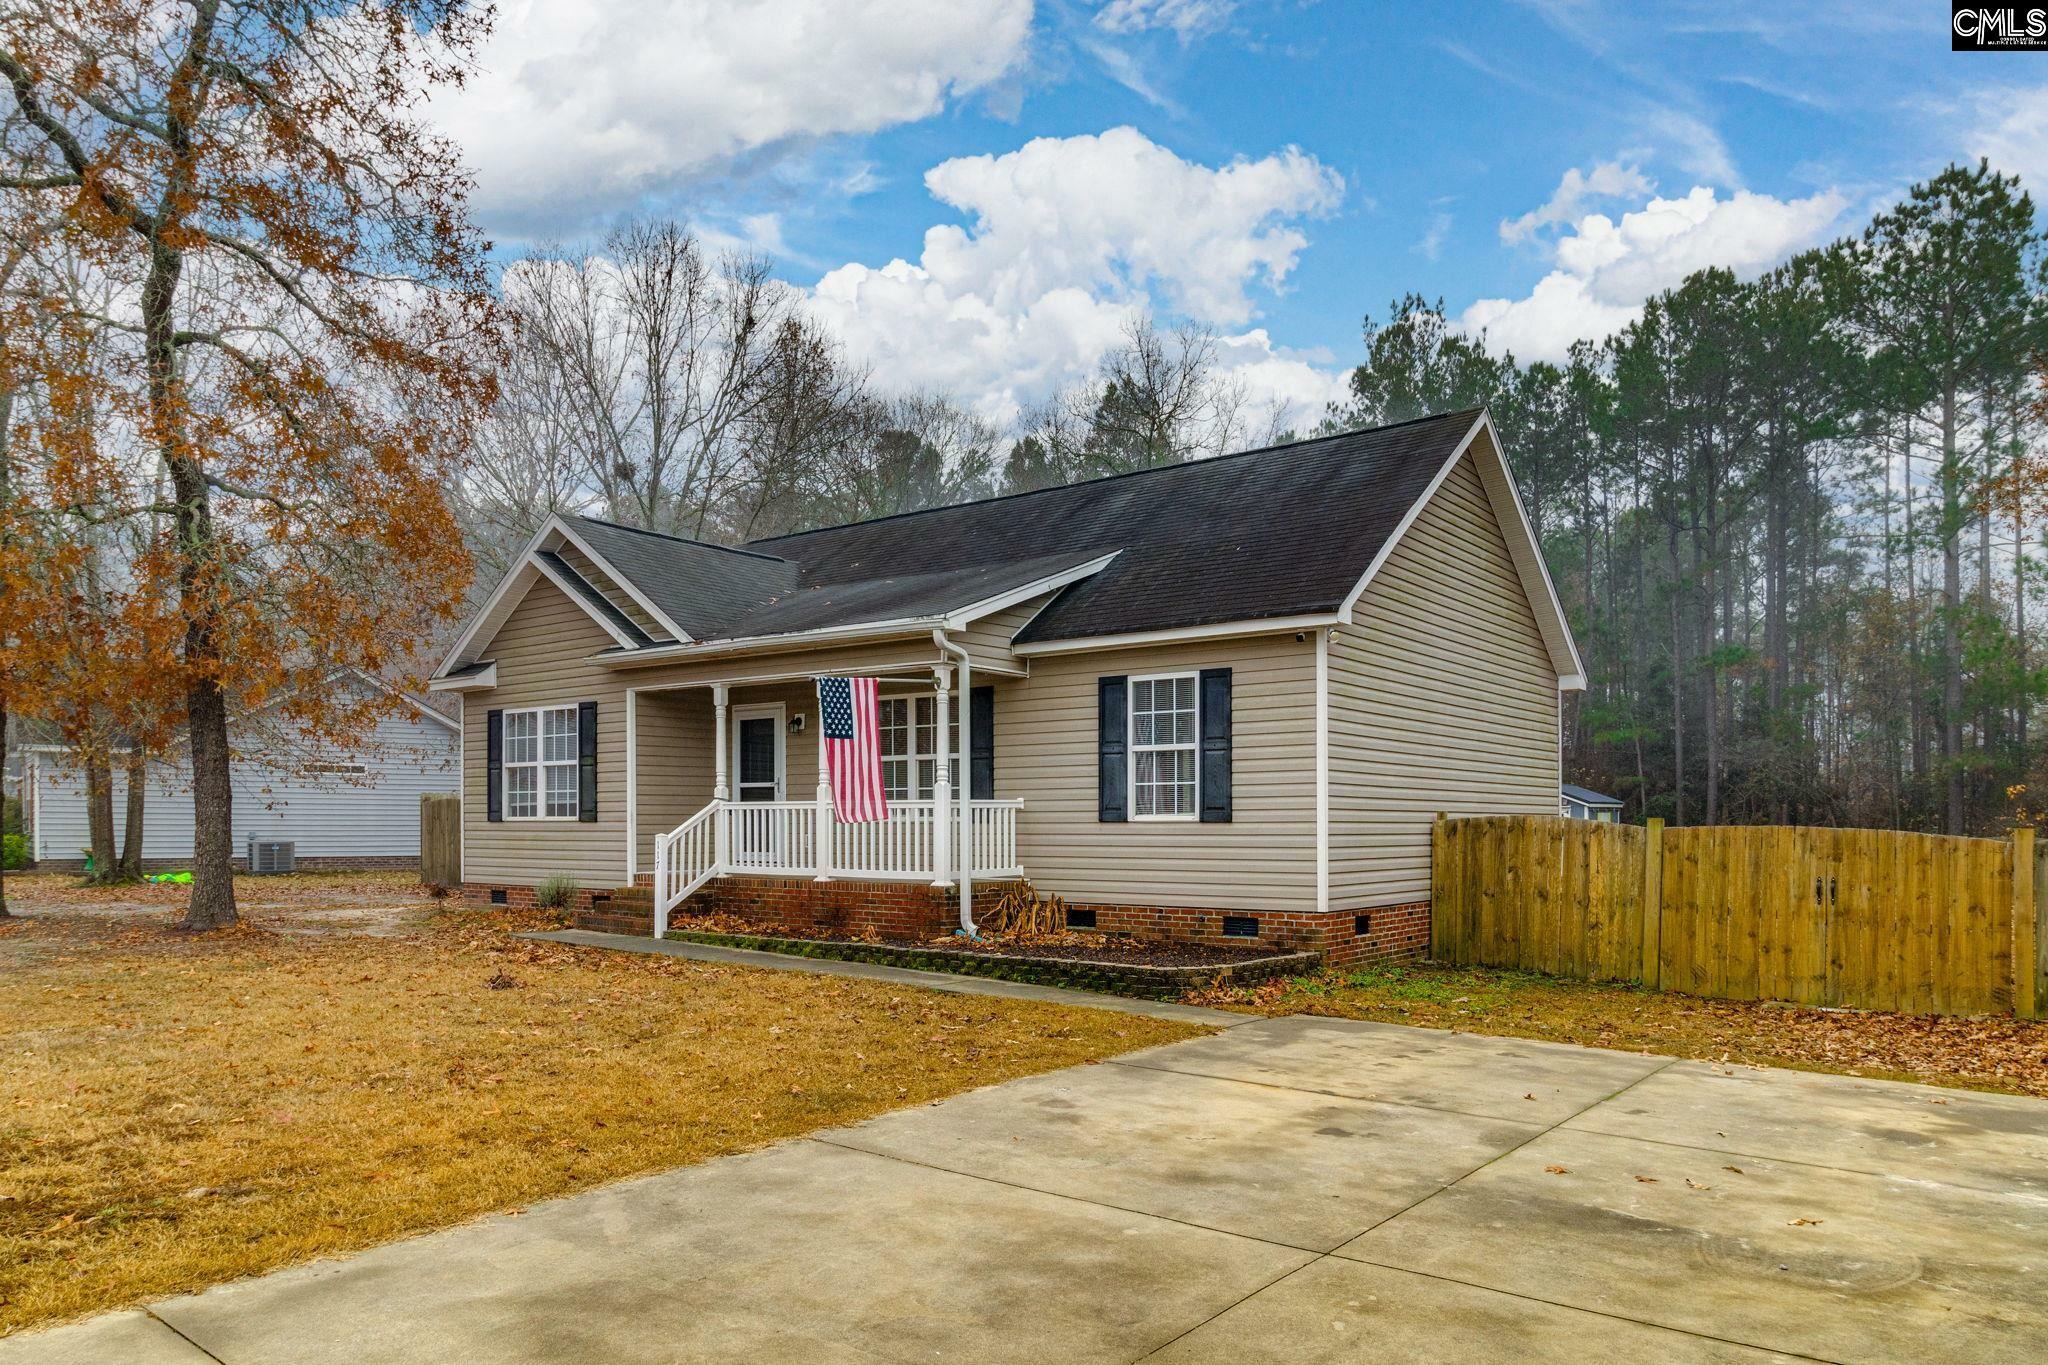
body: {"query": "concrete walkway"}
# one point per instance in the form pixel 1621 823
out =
pixel 1287 1190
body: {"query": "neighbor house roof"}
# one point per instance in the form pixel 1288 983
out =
pixel 1275 534
pixel 1586 796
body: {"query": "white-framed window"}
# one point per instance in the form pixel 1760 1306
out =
pixel 540 764
pixel 1164 757
pixel 910 745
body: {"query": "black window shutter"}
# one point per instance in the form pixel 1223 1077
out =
pixel 1112 748
pixel 981 757
pixel 1216 745
pixel 586 764
pixel 494 765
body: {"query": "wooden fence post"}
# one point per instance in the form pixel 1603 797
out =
pixel 1653 901
pixel 2027 903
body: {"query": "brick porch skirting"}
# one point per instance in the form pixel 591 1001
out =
pixel 917 911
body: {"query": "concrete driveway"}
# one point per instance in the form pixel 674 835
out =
pixel 1294 1189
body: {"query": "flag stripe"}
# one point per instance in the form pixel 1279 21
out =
pixel 849 712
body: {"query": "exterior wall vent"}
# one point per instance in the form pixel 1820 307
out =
pixel 267 858
pixel 1080 919
pixel 1240 926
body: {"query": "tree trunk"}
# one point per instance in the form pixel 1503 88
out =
pixel 99 818
pixel 1951 608
pixel 206 714
pixel 4 912
pixel 131 834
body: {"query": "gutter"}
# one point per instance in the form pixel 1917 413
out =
pixel 966 840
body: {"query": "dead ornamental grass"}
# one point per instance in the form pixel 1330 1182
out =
pixel 1983 1054
pixel 183 1112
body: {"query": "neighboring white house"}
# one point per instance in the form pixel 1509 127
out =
pixel 356 808
pixel 1583 803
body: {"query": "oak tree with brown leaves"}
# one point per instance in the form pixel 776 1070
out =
pixel 298 340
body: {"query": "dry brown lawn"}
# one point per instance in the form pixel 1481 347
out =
pixel 1981 1054
pixel 176 1111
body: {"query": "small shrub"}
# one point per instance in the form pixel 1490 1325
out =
pixel 13 851
pixel 554 893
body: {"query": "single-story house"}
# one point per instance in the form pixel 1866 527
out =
pixel 1583 803
pixel 336 808
pixel 1217 701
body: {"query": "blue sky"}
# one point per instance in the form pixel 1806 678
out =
pixel 1272 168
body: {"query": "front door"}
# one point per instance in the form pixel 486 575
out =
pixel 758 772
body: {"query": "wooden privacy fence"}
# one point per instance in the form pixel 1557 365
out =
pixel 1867 919
pixel 441 839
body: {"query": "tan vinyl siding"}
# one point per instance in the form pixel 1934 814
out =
pixel 1442 697
pixel 987 640
pixel 673 755
pixel 618 597
pixel 1264 859
pixel 541 651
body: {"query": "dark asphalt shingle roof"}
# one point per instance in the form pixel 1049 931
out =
pixel 1586 796
pixel 701 587
pixel 1283 531
pixel 588 591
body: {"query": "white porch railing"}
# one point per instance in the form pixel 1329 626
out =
pixel 780 839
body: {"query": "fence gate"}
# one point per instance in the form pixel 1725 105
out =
pixel 441 839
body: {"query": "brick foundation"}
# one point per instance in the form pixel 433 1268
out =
pixel 915 911
pixel 1393 932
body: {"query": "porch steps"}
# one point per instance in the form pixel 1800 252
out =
pixel 627 910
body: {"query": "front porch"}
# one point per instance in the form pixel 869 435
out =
pixel 753 748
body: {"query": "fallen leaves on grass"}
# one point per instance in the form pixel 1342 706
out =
pixel 181 1110
pixel 1985 1053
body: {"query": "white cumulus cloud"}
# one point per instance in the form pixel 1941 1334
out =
pixel 1065 238
pixel 579 108
pixel 1605 269
pixel 1608 180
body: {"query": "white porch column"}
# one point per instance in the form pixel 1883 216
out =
pixel 942 782
pixel 720 747
pixel 825 816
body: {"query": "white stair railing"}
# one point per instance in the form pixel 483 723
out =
pixel 684 859
pixel 780 838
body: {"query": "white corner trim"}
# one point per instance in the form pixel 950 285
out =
pixel 1025 592
pixel 611 627
pixel 568 533
pixel 632 781
pixel 1270 625
pixel 1323 769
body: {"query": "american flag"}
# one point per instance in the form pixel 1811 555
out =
pixel 853 748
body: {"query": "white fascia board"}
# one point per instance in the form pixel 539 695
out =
pixel 1024 593
pixel 1523 548
pixel 796 639
pixel 518 578
pixel 505 596
pixel 575 595
pixel 1270 625
pixel 1408 519
pixel 625 584
pixel 473 682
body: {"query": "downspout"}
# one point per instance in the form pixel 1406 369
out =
pixel 965 851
